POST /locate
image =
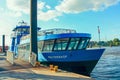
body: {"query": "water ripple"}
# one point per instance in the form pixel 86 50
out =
pixel 108 67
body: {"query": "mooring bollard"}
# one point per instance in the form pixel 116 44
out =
pixel 51 67
pixel 37 64
pixel 56 68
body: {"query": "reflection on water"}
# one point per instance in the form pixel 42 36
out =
pixel 108 67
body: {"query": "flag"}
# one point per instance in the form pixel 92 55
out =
pixel 98 30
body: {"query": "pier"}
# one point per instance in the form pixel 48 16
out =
pixel 24 70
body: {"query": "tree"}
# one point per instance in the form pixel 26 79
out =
pixel 110 43
pixel 116 42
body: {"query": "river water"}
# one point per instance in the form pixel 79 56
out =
pixel 108 67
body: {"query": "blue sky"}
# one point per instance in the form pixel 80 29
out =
pixel 81 15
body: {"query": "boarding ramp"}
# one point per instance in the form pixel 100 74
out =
pixel 33 59
pixel 10 57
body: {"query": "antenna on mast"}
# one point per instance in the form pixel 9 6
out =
pixel 99 37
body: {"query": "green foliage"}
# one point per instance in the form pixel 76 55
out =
pixel 114 42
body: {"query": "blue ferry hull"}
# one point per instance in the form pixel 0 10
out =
pixel 78 61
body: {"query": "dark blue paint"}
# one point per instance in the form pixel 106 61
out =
pixel 71 56
pixel 65 35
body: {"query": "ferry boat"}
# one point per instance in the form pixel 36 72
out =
pixel 62 47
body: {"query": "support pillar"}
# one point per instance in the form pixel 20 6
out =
pixel 33 27
pixel 3 43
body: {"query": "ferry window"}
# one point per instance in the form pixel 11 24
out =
pixel 61 44
pixel 28 47
pixel 40 45
pixel 25 47
pixel 21 48
pixel 24 30
pixel 83 43
pixel 73 43
pixel 28 30
pixel 64 45
pixel 48 45
pixel 87 41
pixel 19 30
pixel 58 45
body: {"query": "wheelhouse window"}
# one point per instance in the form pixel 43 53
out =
pixel 61 44
pixel 83 43
pixel 73 43
pixel 64 44
pixel 40 45
pixel 48 45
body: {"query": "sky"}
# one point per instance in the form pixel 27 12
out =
pixel 84 16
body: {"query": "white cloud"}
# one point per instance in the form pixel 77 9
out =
pixel 18 5
pixel 1 9
pixel 18 14
pixel 22 6
pixel 48 14
pixel 6 24
pixel 41 5
pixel 45 12
pixel 77 6
pixel 8 13
pixel 55 19
pixel 51 14
pixel 48 7
pixel 7 20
